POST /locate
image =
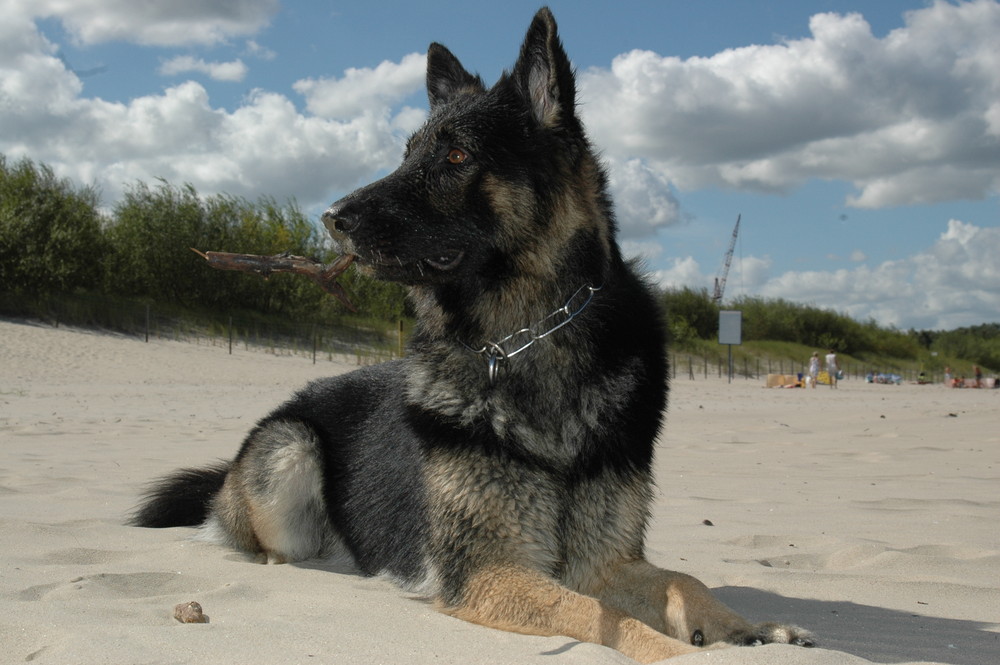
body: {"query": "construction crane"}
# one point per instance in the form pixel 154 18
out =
pixel 720 282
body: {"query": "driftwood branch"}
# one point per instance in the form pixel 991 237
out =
pixel 324 275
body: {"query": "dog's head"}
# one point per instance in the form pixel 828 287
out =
pixel 498 182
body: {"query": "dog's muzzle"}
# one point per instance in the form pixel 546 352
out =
pixel 341 220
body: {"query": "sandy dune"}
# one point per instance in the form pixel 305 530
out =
pixel 870 514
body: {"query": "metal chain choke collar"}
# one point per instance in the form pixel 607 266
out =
pixel 525 337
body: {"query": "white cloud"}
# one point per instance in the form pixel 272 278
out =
pixel 954 282
pixel 750 274
pixel 682 272
pixel 30 73
pixel 643 198
pixel 408 120
pixel 265 145
pixel 173 23
pixel 361 89
pixel 908 118
pixel 256 50
pixel 747 275
pixel 219 71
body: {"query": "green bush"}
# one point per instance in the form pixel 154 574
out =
pixel 50 232
pixel 53 240
pixel 691 314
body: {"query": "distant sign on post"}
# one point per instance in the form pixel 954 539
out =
pixel 730 327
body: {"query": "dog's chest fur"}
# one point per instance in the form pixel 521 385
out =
pixel 487 508
pixel 523 491
pixel 542 402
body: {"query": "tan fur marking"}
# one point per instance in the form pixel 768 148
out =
pixel 536 252
pixel 233 512
pixel 524 601
pixel 671 602
pixel 515 206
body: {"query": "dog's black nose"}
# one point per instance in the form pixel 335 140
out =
pixel 338 219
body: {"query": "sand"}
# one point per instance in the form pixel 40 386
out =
pixel 869 514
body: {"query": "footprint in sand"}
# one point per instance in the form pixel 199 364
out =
pixel 118 585
pixel 944 563
pixel 83 556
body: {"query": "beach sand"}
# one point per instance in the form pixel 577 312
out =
pixel 869 514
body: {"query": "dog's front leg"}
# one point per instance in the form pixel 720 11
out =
pixel 684 608
pixel 522 600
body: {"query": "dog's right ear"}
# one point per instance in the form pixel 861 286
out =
pixel 446 76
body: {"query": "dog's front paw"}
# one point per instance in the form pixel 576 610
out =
pixel 774 633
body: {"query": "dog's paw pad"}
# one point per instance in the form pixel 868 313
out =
pixel 775 633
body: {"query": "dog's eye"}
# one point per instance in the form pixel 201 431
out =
pixel 457 156
pixel 698 638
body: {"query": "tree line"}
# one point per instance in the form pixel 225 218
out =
pixel 694 315
pixel 55 238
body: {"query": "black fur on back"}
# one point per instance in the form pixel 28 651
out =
pixel 181 499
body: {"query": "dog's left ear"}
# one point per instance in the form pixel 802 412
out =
pixel 543 73
pixel 446 76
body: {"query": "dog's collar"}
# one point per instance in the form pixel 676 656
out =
pixel 511 345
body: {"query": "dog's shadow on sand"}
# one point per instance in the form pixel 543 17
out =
pixel 875 633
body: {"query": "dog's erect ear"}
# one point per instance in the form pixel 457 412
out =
pixel 543 72
pixel 446 76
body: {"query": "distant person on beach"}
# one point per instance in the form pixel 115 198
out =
pixel 831 367
pixel 814 368
pixel 947 377
pixel 979 375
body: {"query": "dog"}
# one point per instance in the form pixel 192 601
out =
pixel 503 468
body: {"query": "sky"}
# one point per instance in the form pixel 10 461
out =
pixel 859 141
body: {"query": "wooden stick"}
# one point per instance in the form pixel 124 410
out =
pixel 325 276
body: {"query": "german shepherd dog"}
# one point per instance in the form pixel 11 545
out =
pixel 504 466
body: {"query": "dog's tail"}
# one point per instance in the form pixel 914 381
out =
pixel 180 499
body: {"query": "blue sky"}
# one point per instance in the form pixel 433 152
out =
pixel 860 141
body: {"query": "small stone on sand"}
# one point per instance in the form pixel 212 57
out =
pixel 190 612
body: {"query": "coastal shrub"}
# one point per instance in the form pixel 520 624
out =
pixel 50 231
